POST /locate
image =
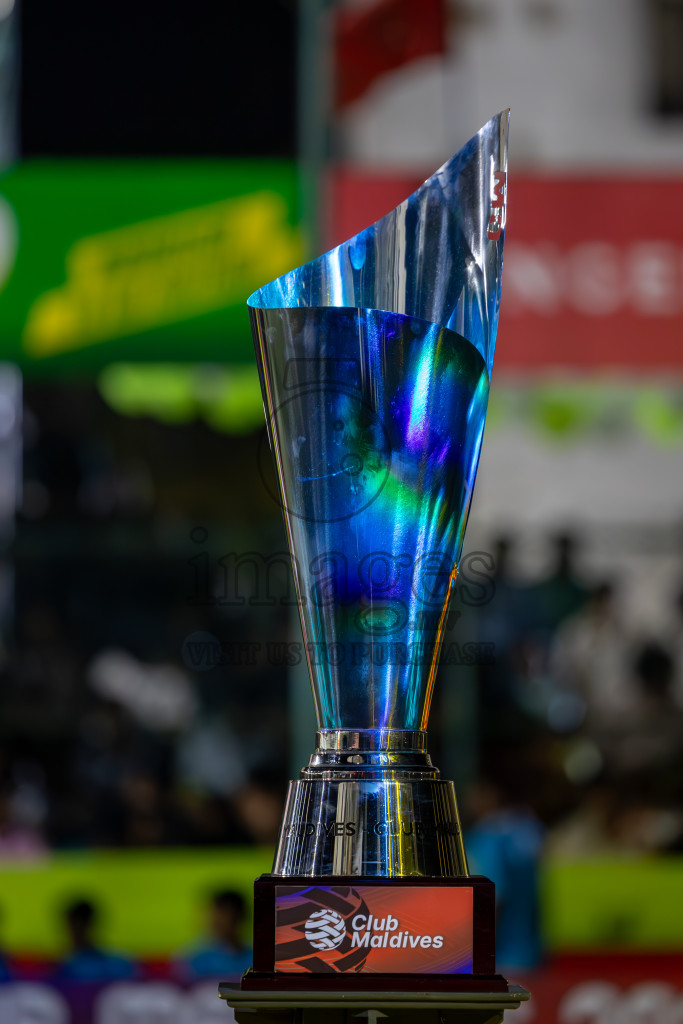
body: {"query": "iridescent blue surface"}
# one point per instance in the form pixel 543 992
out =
pixel 375 362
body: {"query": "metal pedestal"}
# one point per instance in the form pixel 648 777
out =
pixel 372 804
pixel 344 1007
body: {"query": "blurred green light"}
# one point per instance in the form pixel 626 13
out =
pixel 227 398
pixel 660 415
pixel 563 411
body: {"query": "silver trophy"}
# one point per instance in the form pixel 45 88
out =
pixel 375 362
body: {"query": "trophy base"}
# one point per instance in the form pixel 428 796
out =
pixel 341 1006
pixel 374 934
pixel 253 981
pixel 371 805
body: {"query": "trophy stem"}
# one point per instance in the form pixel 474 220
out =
pixel 370 748
pixel 370 803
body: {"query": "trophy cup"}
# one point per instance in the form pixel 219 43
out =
pixel 375 362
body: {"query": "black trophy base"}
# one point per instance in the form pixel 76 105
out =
pixel 252 981
pixel 339 1005
pixel 394 949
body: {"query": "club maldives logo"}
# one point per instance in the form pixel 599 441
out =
pixel 325 929
pixel 379 928
pixel 370 933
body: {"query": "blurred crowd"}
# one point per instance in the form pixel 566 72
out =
pixel 118 730
pixel 581 711
pixel 579 719
pixel 220 952
pixel 111 733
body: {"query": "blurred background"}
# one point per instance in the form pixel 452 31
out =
pixel 159 162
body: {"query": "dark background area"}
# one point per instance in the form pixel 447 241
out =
pixel 158 79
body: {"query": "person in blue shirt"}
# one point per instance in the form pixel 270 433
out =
pixel 86 961
pixel 505 843
pixel 222 954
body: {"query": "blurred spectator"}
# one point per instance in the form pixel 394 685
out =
pixel 258 809
pixel 222 954
pixel 615 815
pixel 86 961
pixel 521 620
pixel 590 656
pixel 586 831
pixel 46 664
pixel 501 621
pixel 505 844
pixel 209 757
pixel 146 817
pixel 654 737
pixel 562 593
pixel 18 840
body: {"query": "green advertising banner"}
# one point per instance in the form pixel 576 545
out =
pixel 105 262
pixel 153 901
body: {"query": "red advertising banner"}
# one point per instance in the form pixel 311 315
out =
pixel 596 988
pixel 593 273
pixel 382 929
pixel 586 988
